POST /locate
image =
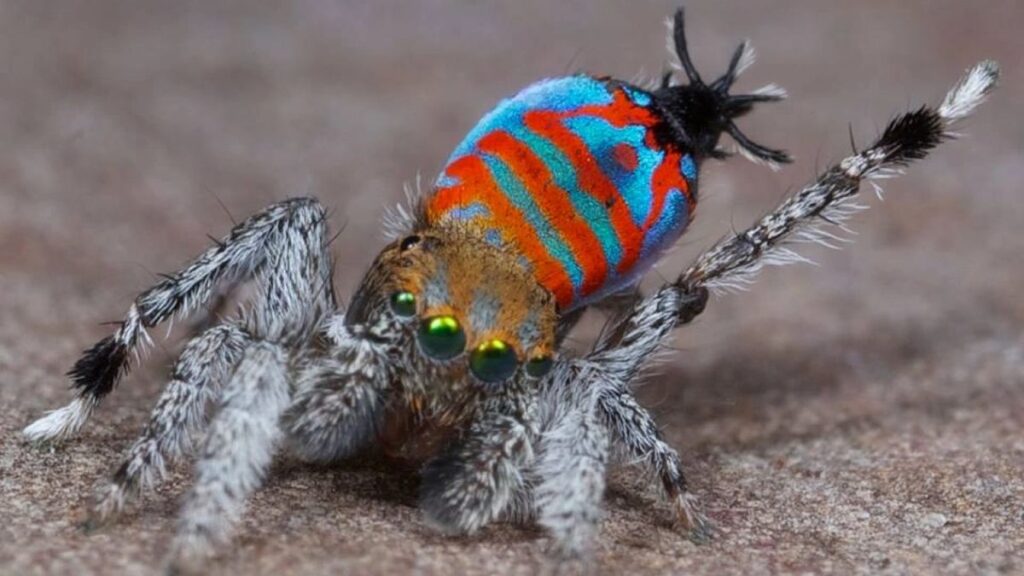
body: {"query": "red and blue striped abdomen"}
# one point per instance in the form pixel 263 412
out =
pixel 572 173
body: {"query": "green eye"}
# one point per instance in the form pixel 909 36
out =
pixel 539 367
pixel 403 303
pixel 493 361
pixel 441 337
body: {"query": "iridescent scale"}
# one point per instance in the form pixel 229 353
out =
pixel 571 172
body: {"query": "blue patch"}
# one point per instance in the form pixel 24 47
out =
pixel 446 181
pixel 474 210
pixel 559 95
pixel 688 168
pixel 634 186
pixel 639 98
pixel 493 237
pixel 667 228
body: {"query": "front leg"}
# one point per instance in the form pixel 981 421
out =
pixel 474 481
pixel 341 391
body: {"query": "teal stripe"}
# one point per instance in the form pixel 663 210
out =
pixel 592 210
pixel 635 186
pixel 517 193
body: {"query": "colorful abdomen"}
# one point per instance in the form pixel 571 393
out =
pixel 572 173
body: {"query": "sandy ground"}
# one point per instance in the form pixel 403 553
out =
pixel 864 416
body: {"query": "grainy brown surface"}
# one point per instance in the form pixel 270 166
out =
pixel 863 416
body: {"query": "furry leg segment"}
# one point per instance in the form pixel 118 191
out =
pixel 627 345
pixel 806 215
pixel 569 474
pixel 476 480
pixel 240 254
pixel 340 397
pixel 634 428
pixel 178 416
pixel 625 349
pixel 236 452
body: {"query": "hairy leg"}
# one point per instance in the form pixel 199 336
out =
pixel 634 429
pixel 569 474
pixel 474 481
pixel 341 392
pixel 586 404
pixel 631 343
pixel 290 233
pixel 236 452
pixel 177 417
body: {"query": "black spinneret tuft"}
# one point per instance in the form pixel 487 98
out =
pixel 697 113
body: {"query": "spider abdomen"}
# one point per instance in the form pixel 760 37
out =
pixel 574 173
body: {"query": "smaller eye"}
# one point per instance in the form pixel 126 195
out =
pixel 403 303
pixel 409 242
pixel 539 367
pixel 493 361
pixel 442 337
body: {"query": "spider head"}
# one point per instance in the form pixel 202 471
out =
pixel 470 303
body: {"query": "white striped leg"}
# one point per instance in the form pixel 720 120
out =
pixel 570 473
pixel 277 234
pixel 238 449
pixel 635 430
pixel 177 417
pixel 295 294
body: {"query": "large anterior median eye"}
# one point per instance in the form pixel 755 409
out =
pixel 493 361
pixel 441 337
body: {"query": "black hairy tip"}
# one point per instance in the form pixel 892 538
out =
pixel 99 368
pixel 912 135
pixel 696 114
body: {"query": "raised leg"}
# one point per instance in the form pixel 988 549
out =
pixel 177 417
pixel 235 454
pixel 474 482
pixel 630 344
pixel 291 234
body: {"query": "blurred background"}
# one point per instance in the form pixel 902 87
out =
pixel 865 415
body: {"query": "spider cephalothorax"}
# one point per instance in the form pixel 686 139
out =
pixel 470 302
pixel 450 352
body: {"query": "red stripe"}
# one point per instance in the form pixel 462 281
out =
pixel 621 112
pixel 667 175
pixel 592 180
pixel 554 203
pixel 476 183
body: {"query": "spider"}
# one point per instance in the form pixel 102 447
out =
pixel 451 349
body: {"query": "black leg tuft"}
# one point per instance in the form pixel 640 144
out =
pixel 97 371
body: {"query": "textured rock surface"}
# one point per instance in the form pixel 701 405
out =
pixel 865 416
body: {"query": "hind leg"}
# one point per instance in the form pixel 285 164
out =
pixel 635 431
